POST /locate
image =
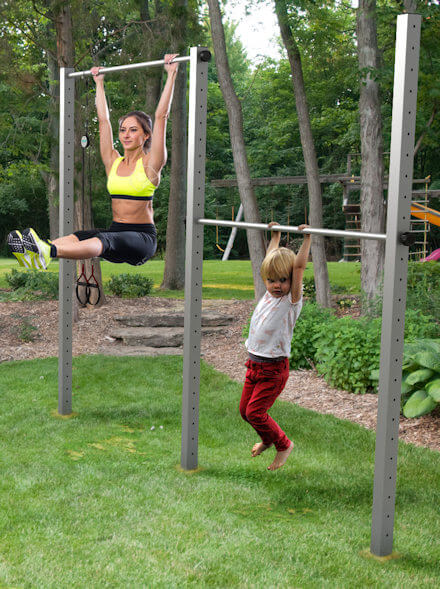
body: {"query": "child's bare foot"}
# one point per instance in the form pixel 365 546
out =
pixel 259 448
pixel 280 458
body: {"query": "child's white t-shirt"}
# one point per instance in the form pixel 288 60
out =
pixel 271 328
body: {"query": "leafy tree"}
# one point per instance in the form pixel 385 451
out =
pixel 235 115
pixel 309 153
pixel 372 172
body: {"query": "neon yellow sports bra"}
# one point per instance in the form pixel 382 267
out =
pixel 137 186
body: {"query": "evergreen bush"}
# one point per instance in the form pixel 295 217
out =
pixel 32 284
pixel 16 279
pixel 130 285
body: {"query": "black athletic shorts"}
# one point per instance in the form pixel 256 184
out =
pixel 126 243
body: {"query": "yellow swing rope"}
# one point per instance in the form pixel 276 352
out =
pixel 216 227
pixel 216 232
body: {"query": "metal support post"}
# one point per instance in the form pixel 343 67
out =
pixel 194 255
pixel 395 277
pixel 67 267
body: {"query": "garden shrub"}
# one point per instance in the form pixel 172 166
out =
pixel 345 302
pixel 26 331
pixel 346 352
pixel 309 288
pixel 310 324
pixel 130 285
pixel 348 349
pixel 418 325
pixel 339 289
pixel 31 285
pixel 423 291
pixel 422 295
pixel 17 279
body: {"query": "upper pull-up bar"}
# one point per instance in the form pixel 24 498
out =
pixel 132 66
pixel 292 229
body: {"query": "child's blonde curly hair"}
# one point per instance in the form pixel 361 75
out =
pixel 278 264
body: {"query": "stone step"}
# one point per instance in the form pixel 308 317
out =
pixel 157 337
pixel 166 318
pixel 118 349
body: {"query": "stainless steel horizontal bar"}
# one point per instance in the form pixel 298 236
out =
pixel 347 180
pixel 130 66
pixel 292 229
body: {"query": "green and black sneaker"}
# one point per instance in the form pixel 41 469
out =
pixel 38 249
pixel 15 243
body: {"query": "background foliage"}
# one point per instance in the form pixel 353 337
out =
pixel 346 351
pixel 326 37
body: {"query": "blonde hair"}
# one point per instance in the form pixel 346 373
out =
pixel 278 264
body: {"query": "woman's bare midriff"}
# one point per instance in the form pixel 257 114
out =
pixel 129 211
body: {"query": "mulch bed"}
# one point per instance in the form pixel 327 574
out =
pixel 39 320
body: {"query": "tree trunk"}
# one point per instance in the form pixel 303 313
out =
pixel 410 6
pixel 235 115
pixel 174 270
pixel 311 164
pixel 63 25
pixel 153 42
pixel 66 58
pixel 372 198
pixel 51 178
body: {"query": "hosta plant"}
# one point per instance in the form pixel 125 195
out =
pixel 420 377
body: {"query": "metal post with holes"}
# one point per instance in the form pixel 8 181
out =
pixel 199 58
pixel 395 277
pixel 67 267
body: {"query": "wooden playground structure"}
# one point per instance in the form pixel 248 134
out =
pixel 423 215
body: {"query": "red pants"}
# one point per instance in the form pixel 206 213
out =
pixel 263 384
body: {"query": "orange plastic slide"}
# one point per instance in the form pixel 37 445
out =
pixel 422 212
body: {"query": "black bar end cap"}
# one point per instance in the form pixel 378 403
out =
pixel 205 55
pixel 407 238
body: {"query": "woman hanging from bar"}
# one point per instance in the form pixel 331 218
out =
pixel 131 182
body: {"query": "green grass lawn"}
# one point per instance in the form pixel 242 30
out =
pixel 99 500
pixel 221 280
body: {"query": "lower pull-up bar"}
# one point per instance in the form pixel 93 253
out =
pixel 292 229
pixel 130 66
pixel 395 275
